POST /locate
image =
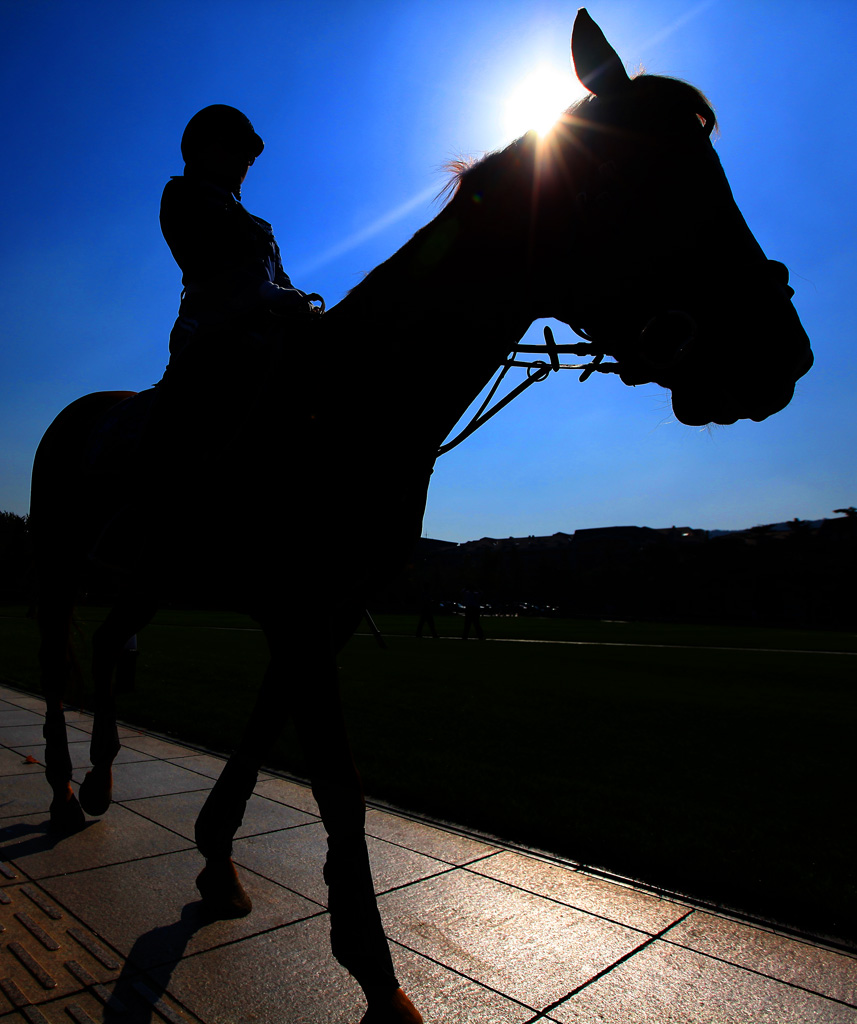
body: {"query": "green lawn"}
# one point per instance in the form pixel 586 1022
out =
pixel 720 765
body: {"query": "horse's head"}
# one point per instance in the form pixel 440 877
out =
pixel 664 275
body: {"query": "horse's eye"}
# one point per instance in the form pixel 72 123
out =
pixel 706 120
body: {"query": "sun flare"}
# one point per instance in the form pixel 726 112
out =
pixel 538 100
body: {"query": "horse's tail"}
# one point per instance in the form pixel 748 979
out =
pixel 63 515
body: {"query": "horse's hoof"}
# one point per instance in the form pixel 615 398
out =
pixel 222 894
pixel 96 792
pixel 66 815
pixel 393 1009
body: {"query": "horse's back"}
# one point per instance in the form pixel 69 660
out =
pixel 75 423
pixel 59 495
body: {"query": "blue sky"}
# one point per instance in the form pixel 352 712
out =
pixel 360 106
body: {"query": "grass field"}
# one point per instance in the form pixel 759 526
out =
pixel 716 762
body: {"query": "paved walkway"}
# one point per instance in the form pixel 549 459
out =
pixel 105 926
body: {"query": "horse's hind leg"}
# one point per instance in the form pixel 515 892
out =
pixel 56 663
pixel 109 645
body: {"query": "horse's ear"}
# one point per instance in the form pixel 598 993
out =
pixel 596 63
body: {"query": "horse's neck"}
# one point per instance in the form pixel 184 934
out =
pixel 431 325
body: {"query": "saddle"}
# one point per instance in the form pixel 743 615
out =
pixel 116 440
pixel 150 497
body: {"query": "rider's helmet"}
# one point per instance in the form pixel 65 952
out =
pixel 221 125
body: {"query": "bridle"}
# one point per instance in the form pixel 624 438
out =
pixel 537 371
pixel 647 355
pixel 651 355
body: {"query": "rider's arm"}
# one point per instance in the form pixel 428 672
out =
pixel 229 259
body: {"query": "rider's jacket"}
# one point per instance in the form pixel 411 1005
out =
pixel 232 273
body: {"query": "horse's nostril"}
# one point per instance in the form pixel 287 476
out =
pixel 780 273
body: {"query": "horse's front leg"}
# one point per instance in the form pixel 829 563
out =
pixel 357 936
pixel 109 645
pixel 65 813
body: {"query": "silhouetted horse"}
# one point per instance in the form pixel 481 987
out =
pixel 621 223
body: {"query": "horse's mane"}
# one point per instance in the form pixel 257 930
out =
pixel 650 91
pixel 653 99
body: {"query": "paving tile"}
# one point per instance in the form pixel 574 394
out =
pixel 66 972
pixel 212 765
pixel 127 1005
pixel 585 892
pixel 46 951
pixel 158 747
pixel 83 720
pixel 24 794
pixel 179 812
pixel 10 716
pixel 14 762
pixel 79 720
pixel 799 963
pixel 79 753
pixel 444 997
pixel 295 858
pixel 527 947
pixel 20 735
pixel 151 912
pixel 288 976
pixel 119 836
pixel 665 984
pixel 433 842
pixel 151 778
pixel 285 791
pixel 491 943
pixel 206 764
pixel 291 978
pixel 22 699
pixel 9 875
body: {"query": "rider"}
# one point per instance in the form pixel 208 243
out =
pixel 233 277
pixel 238 306
pixel 227 347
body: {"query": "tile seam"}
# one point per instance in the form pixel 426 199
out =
pixel 758 973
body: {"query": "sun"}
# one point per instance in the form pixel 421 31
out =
pixel 538 100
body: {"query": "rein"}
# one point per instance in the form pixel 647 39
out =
pixel 537 371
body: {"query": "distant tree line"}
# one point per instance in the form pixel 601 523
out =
pixel 17 580
pixel 798 574
pixel 795 574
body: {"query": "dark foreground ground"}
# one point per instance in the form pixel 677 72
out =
pixel 707 762
pixel 105 925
